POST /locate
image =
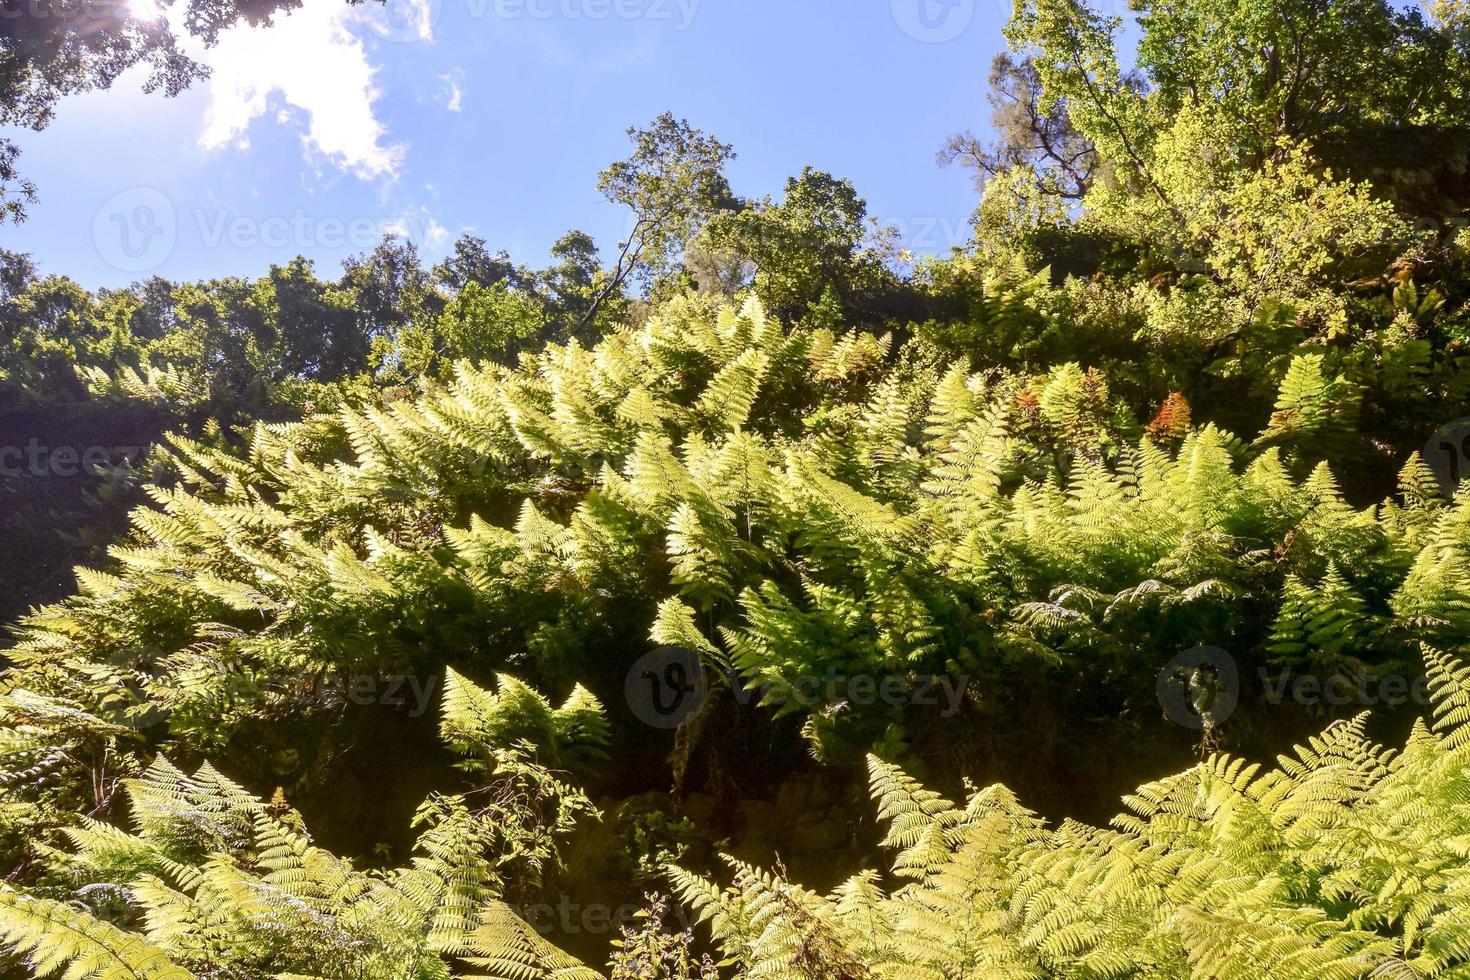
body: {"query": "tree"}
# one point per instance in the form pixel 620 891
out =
pixel 391 293
pixel 221 337
pixel 47 325
pixel 573 284
pixel 472 262
pixel 1244 79
pixel 479 323
pixel 153 317
pixel 1297 69
pixel 672 183
pixel 1025 136
pixel 16 272
pixel 1073 52
pixel 308 326
pixel 809 244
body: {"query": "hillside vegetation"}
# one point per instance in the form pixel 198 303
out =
pixel 815 601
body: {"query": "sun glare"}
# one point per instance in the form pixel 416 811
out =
pixel 148 11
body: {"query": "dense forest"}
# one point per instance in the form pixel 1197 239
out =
pixel 755 598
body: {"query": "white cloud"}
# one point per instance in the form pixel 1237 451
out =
pixel 453 94
pixel 310 60
pixel 421 228
pixel 436 236
pixel 425 13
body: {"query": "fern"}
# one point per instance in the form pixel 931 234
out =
pixel 54 937
pixel 1333 864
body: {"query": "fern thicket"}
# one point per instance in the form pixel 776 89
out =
pixel 1343 861
pixel 207 877
pixel 793 503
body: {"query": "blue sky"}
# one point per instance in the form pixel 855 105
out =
pixel 434 117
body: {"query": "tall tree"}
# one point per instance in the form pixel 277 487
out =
pixel 673 182
pixel 472 262
pixel 390 288
pixel 309 325
pixel 807 247
pixel 1026 136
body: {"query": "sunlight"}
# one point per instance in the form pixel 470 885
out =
pixel 460 517
pixel 147 11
